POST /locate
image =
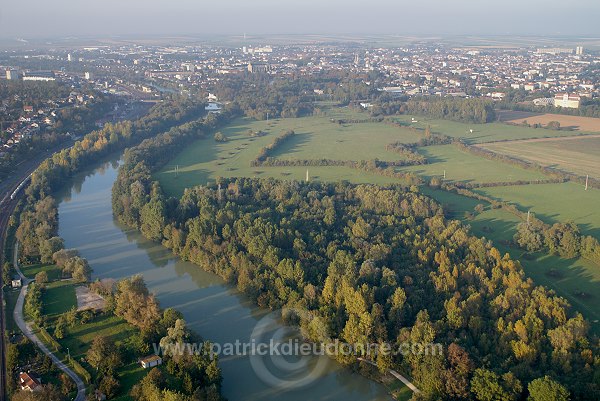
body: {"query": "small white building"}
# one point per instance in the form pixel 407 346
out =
pixel 151 361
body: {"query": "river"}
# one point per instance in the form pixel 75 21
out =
pixel 212 308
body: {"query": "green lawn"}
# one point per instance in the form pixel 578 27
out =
pixel 54 272
pixel 79 338
pixel 10 298
pixel 482 132
pixel 577 280
pixel 555 202
pixel 59 297
pixel 466 167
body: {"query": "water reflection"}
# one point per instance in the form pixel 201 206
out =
pixel 211 308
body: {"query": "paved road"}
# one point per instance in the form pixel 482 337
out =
pixel 26 329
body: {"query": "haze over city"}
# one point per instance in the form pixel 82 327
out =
pixel 38 18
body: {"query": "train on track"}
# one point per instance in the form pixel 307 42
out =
pixel 20 187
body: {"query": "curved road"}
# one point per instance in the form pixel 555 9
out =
pixel 26 329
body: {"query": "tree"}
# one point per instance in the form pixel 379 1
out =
pixel 529 236
pixel 6 273
pixel 103 355
pixel 49 247
pixel 219 137
pixel 546 389
pixel 78 268
pixel 136 305
pixel 109 385
pixel 488 386
pixel 41 277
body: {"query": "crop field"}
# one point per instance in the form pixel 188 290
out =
pixel 579 155
pixel 481 132
pixel 578 123
pixel 577 280
pixel 463 166
pixel 555 202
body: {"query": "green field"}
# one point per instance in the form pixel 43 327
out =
pixel 579 155
pixel 466 167
pixel 481 132
pixel 206 159
pixel 577 280
pixel 316 137
pixel 58 298
pixel 555 202
pixel 53 271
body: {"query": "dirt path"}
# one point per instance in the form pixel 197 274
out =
pixel 397 375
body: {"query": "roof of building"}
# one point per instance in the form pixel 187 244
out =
pixel 151 358
pixel 28 381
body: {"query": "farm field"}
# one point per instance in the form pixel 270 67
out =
pixel 555 202
pixel 463 166
pixel 578 280
pixel 579 155
pixel 578 123
pixel 481 132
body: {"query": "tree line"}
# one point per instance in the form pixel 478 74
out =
pixel 474 110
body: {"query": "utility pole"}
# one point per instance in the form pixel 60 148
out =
pixel 306 175
pixel 587 177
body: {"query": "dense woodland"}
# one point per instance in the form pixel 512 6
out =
pixel 473 110
pixel 259 94
pixel 374 265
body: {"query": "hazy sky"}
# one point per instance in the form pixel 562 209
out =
pixel 41 18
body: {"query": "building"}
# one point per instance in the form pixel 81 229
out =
pixel 567 100
pixel 29 382
pixel 554 50
pixel 12 75
pixel 88 76
pixel 39 76
pixel 69 57
pixel 151 361
pixel 579 50
pixel 16 282
pixel 544 101
pixel 258 67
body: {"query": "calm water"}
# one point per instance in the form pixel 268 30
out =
pixel 213 309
